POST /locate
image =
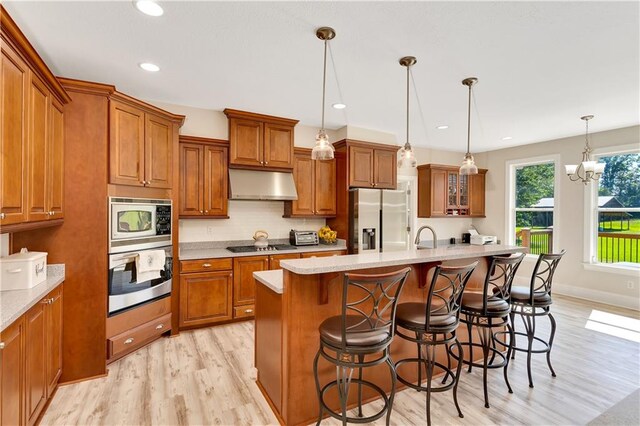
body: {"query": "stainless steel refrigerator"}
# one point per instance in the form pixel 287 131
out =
pixel 378 220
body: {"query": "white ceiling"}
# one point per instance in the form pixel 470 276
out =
pixel 541 65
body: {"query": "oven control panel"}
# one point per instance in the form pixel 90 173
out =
pixel 163 220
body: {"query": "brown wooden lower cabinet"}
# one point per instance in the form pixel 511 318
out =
pixel 244 286
pixel 205 298
pixel 31 361
pixel 12 354
pixel 36 376
pixel 219 290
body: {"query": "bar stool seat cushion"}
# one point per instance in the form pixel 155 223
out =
pixel 412 316
pixel 472 303
pixel 523 295
pixel 361 335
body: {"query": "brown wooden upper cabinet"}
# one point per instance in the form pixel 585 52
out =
pixel 141 144
pixel 259 141
pixel 443 192
pixel 370 165
pixel 203 177
pixel 32 139
pixel 315 184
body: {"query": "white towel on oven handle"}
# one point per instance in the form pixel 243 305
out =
pixel 149 264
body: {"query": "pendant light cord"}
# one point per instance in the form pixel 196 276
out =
pixel 324 80
pixel 469 123
pixel 408 70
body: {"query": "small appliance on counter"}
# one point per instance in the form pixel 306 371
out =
pixel 24 270
pixel 477 239
pixel 303 238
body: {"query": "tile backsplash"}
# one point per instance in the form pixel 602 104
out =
pixel 245 217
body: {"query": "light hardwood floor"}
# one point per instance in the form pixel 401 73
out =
pixel 206 377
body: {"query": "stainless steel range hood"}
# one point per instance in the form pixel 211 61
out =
pixel 257 185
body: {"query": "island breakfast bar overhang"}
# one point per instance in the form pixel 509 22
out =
pixel 292 303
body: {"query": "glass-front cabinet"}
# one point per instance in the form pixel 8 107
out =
pixel 443 192
pixel 457 194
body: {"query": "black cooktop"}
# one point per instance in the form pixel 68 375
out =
pixel 269 248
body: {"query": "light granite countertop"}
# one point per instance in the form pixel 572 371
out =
pixel 219 252
pixel 320 265
pixel 272 279
pixel 14 303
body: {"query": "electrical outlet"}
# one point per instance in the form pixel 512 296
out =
pixel 631 285
pixel 210 230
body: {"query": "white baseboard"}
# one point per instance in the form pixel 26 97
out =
pixel 599 296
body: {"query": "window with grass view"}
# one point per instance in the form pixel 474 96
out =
pixel 533 209
pixel 617 238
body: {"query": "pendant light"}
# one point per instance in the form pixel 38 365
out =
pixel 406 154
pixel 588 170
pixel 323 150
pixel 468 164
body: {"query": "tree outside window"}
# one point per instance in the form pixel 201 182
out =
pixel 534 206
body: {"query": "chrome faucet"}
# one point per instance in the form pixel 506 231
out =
pixel 433 231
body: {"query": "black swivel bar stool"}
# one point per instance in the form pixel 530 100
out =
pixel 532 302
pixel 365 327
pixel 433 324
pixel 488 310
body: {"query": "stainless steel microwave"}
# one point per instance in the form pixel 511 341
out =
pixel 138 223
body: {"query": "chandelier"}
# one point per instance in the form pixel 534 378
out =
pixel 588 170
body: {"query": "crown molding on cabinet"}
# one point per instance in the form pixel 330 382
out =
pixel 12 35
pixel 234 113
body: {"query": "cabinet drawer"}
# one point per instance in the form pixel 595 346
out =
pixel 136 337
pixel 205 265
pixel 244 311
pixel 323 253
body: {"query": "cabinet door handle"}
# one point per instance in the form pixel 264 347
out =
pixel 128 341
pixel 201 212
pixel 1 345
pixel 2 215
pixel 266 162
pixel 159 326
pixel 206 265
pixel 248 311
pixel 46 301
pixel 206 212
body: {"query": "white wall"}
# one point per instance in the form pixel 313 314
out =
pixel 571 277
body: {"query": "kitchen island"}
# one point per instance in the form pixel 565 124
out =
pixel 291 304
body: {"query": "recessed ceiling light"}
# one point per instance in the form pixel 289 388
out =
pixel 147 66
pixel 339 106
pixel 507 138
pixel 149 7
pixel 443 127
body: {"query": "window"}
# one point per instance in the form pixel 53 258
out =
pixel 532 204
pixel 614 232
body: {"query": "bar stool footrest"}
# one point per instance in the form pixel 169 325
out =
pixel 366 383
pixel 447 371
pixel 502 357
pixel 545 344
